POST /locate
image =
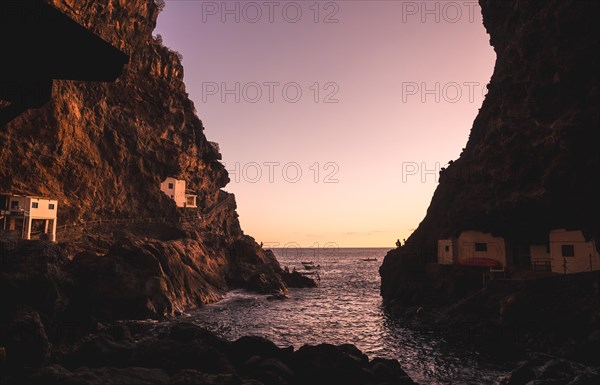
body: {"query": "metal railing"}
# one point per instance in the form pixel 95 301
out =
pixel 81 226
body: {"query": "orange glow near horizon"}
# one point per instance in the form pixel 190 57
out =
pixel 389 93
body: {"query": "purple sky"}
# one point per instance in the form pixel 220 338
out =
pixel 367 119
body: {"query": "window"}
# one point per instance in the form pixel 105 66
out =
pixel 447 248
pixel 568 250
pixel 50 206
pixel 481 247
pixel 34 205
pixel 170 186
pixel 14 205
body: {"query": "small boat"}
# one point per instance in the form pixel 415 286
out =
pixel 369 259
pixel 309 265
pixel 312 267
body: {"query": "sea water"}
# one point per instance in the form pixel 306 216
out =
pixel 345 308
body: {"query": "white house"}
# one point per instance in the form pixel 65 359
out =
pixel 29 216
pixel 175 189
pixel 565 252
pixel 473 248
pixel 570 252
pixel 447 252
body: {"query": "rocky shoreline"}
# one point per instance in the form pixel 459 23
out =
pixel 546 328
pixel 62 323
pixel 183 353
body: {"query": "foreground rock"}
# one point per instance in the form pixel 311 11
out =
pixel 187 354
pixel 546 370
pixel 559 316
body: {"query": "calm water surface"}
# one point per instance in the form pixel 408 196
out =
pixel 345 308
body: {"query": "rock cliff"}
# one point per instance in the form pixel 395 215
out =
pixel 101 150
pixel 531 161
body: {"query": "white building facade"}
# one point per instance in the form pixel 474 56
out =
pixel 473 248
pixel 447 253
pixel 175 189
pixel 571 252
pixel 29 216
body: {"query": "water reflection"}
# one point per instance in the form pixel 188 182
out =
pixel 345 308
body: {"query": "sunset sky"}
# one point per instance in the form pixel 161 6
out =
pixel 389 91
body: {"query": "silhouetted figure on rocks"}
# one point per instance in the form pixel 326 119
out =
pixel 398 243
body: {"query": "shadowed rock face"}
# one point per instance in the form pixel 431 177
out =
pixel 101 150
pixel 531 161
pixel 186 354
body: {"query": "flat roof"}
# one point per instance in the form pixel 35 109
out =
pixel 25 196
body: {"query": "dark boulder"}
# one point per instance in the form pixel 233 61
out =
pixel 98 351
pixel 558 369
pixel 58 375
pixel 295 279
pixel 128 282
pixel 269 371
pixel 329 364
pixel 545 370
pixel 187 332
pixel 248 346
pixel 389 371
pixel 32 276
pixel 175 355
pixel 520 376
pixel 194 377
pixel 25 341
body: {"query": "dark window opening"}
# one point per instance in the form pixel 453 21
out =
pixel 14 205
pixel 51 206
pixel 170 186
pixel 568 250
pixel 447 248
pixel 481 247
pixel 34 205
